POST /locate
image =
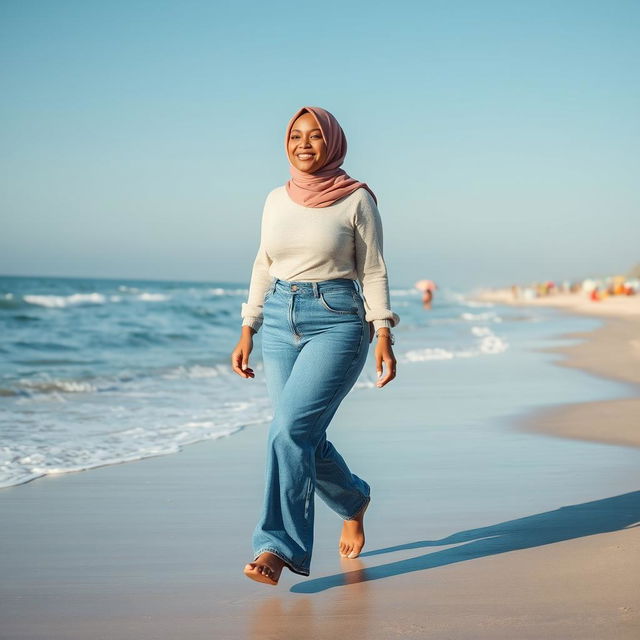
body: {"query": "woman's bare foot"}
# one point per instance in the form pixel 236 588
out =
pixel 266 568
pixel 352 537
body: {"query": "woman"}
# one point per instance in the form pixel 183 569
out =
pixel 321 232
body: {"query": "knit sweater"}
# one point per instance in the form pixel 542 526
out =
pixel 309 244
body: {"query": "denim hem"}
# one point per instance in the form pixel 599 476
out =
pixel 361 508
pixel 290 565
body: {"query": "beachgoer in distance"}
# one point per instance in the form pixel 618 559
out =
pixel 321 234
pixel 427 287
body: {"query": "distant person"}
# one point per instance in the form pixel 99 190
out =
pixel 427 287
pixel 321 233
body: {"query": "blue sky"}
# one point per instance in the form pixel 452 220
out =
pixel 141 138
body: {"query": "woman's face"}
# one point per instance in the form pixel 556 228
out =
pixel 306 147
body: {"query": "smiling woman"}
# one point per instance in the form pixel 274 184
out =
pixel 321 232
pixel 318 183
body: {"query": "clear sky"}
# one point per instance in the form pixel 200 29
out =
pixel 139 139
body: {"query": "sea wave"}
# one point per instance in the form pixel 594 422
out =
pixel 52 301
pixel 488 343
pixel 9 301
pixel 153 297
pixel 38 456
pixel 487 316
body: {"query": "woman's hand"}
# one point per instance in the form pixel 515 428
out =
pixel 240 355
pixel 384 355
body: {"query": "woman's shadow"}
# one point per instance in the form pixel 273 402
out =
pixel 565 523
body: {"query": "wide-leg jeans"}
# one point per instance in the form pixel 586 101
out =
pixel 314 345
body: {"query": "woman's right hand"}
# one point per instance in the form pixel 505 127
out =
pixel 240 355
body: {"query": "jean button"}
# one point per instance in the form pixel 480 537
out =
pixel 294 287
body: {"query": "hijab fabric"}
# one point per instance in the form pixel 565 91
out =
pixel 328 183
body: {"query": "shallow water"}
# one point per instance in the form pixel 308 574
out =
pixel 97 372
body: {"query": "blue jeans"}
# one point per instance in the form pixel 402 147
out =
pixel 314 345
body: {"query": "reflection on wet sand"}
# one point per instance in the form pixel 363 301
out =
pixel 280 618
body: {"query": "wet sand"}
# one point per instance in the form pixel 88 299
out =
pixel 155 549
pixel 611 351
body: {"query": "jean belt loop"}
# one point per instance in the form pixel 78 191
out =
pixel 315 289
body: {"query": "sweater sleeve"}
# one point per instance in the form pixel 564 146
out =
pixel 370 265
pixel 251 312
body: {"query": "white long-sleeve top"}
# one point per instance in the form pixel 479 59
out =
pixel 310 244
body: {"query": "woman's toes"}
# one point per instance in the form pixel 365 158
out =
pixel 260 572
pixel 355 552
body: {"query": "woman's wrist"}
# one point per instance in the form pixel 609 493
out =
pixel 384 333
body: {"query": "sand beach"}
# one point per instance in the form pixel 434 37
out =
pixel 521 525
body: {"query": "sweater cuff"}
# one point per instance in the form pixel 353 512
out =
pixel 382 323
pixel 253 322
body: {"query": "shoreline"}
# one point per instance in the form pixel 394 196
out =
pixel 611 351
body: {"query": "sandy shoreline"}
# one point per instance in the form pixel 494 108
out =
pixel 611 351
pixel 154 549
pixel 626 306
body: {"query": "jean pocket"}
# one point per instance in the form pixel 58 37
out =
pixel 338 301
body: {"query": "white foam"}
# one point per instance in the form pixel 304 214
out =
pixel 153 297
pixel 487 316
pixel 474 303
pixel 488 344
pixel 65 301
pixel 95 433
pixel 221 291
pixel 428 353
pixel 197 371
pixel 49 386
pixel 492 344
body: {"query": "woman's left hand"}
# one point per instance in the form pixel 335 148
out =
pixel 384 356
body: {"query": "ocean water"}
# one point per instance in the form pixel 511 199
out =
pixel 96 372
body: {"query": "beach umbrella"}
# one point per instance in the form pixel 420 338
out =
pixel 426 285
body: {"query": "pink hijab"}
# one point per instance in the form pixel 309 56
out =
pixel 329 183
